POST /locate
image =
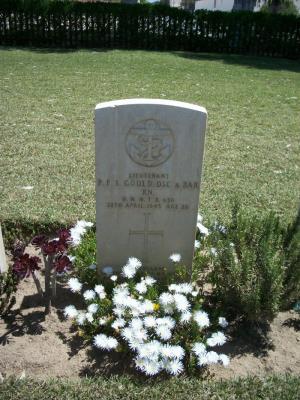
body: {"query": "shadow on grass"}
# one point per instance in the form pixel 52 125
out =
pixel 245 60
pixel 258 62
pixel 58 50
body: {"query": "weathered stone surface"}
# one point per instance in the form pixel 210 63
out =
pixel 148 169
pixel 3 263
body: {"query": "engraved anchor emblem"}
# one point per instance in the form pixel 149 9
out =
pixel 149 143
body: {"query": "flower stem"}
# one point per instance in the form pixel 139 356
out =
pixel 37 284
pixel 48 265
pixel 53 284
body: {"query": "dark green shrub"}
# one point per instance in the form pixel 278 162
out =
pixel 247 266
pixel 284 7
pixel 8 286
pixel 85 258
pixel 291 246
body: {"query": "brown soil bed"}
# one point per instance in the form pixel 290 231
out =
pixel 43 348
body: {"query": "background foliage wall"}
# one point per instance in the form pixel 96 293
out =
pixel 75 24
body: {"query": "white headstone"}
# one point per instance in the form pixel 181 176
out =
pixel 3 263
pixel 148 168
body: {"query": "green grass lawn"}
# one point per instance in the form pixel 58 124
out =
pixel 116 388
pixel 47 100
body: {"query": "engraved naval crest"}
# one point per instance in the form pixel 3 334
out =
pixel 149 143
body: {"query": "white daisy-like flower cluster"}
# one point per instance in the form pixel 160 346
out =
pixel 129 270
pixel 150 322
pixel 202 229
pixel 79 230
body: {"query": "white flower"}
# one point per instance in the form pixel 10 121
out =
pixel 195 293
pixel 70 312
pixel 136 324
pixel 202 359
pixel 127 334
pixel 175 257
pixel 202 229
pixel 149 280
pixel 118 323
pixel 71 258
pixel 150 350
pixel 78 230
pixel 216 339
pixel 172 351
pixel 224 359
pixel 134 343
pixel 84 224
pixel 89 317
pixel 174 367
pixel 80 319
pixel 201 317
pixel 114 278
pixel 213 251
pixel 99 289
pixel 93 267
pixel 223 322
pixel 89 295
pixel 197 244
pixel 105 342
pixel 181 302
pixel 146 307
pixel 199 218
pixel 151 367
pixel 74 285
pixel 121 289
pixel 167 321
pixel 128 271
pixel 199 349
pixel 173 287
pixel 92 308
pixel 166 298
pixel 185 317
pixel 150 321
pixel 119 311
pixel 141 335
pixel 107 270
pixel 184 288
pixel 212 357
pixel 103 321
pixel 163 332
pixel 120 298
pixel 141 287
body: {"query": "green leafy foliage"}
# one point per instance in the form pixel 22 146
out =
pixel 8 286
pixel 148 26
pixel 253 265
pixel 85 258
pixel 284 7
pixel 291 247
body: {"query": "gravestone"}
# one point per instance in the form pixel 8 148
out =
pixel 148 169
pixel 3 263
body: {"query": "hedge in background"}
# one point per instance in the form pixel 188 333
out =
pixel 74 24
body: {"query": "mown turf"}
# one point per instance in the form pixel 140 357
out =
pixel 47 100
pixel 276 387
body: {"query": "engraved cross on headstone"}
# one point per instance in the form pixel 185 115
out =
pixel 146 233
